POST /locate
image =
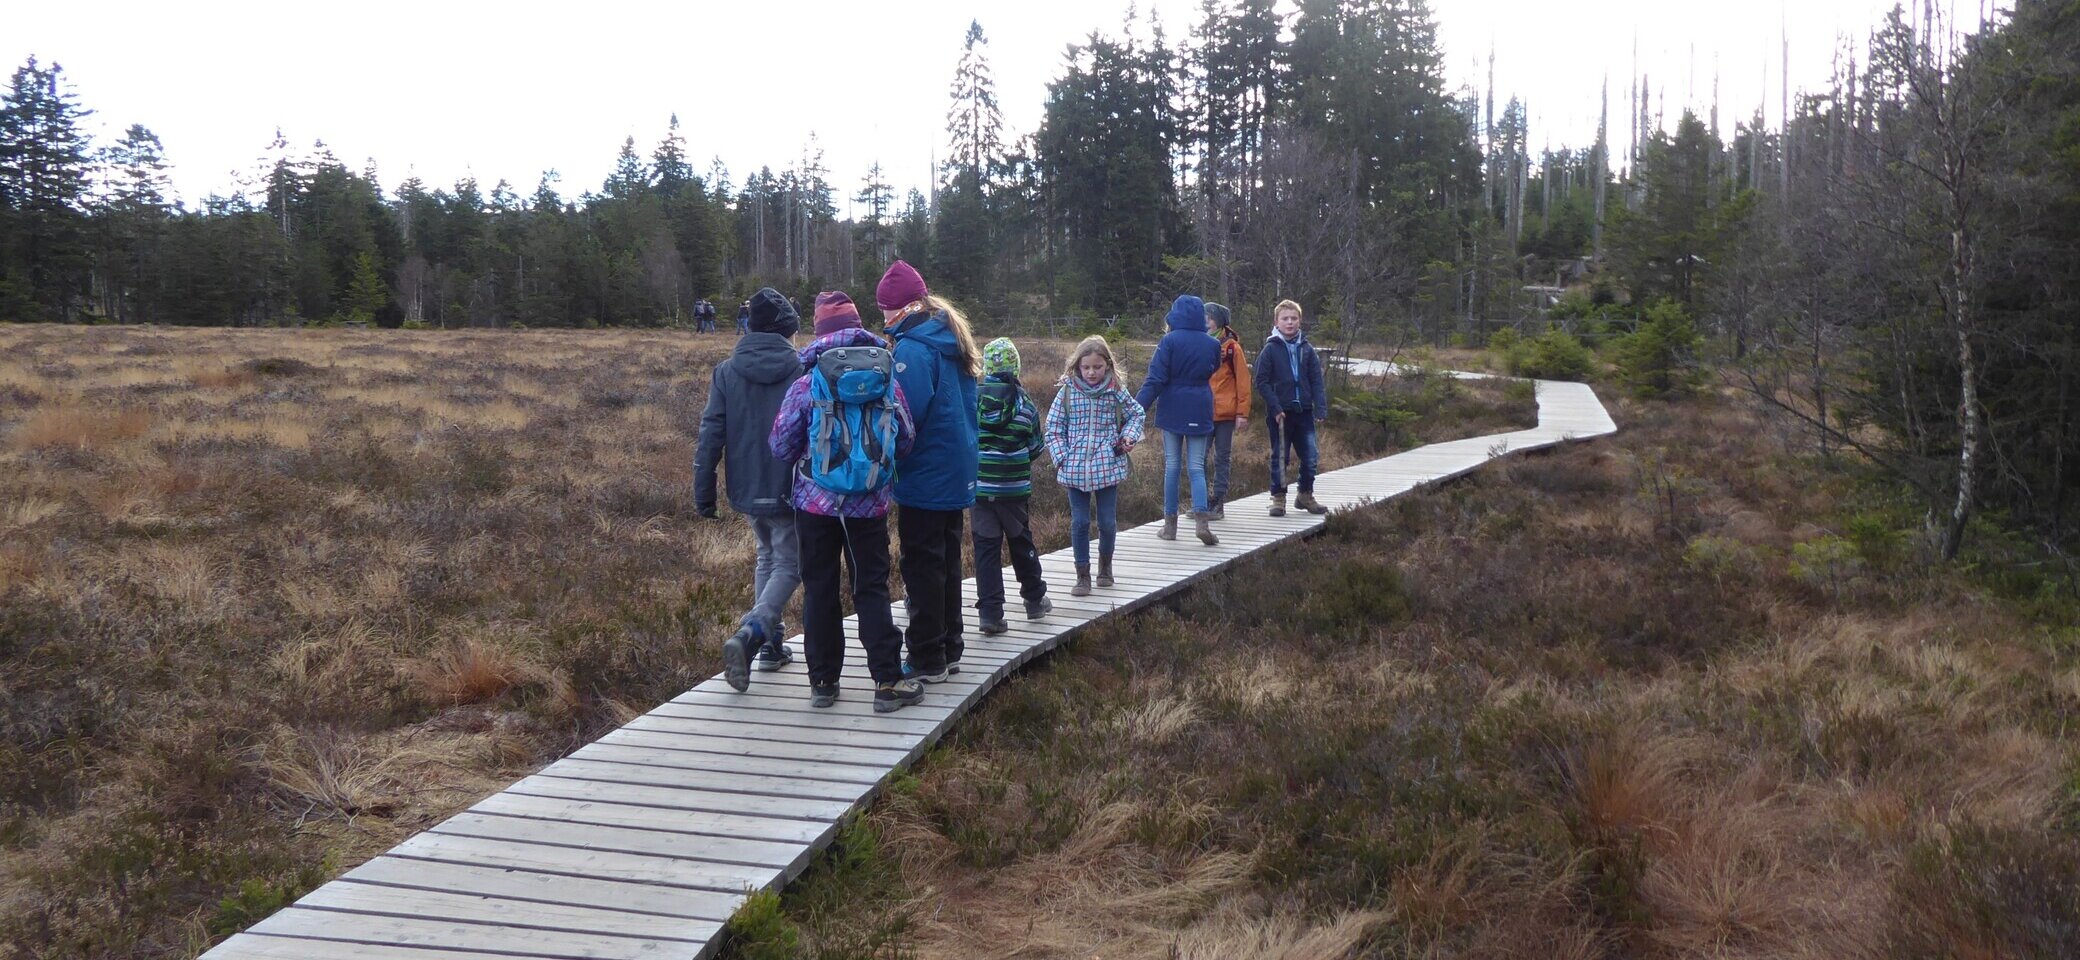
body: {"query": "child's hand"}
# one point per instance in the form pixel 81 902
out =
pixel 1241 424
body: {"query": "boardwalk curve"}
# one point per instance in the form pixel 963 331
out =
pixel 641 844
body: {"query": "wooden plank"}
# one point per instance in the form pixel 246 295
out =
pixel 870 722
pixel 683 798
pixel 516 941
pixel 608 814
pixel 731 746
pixel 255 946
pixel 522 885
pixel 478 908
pixel 724 763
pixel 751 785
pixel 601 864
pixel 615 839
pixel 780 700
pixel 851 689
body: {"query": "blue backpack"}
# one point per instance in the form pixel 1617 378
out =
pixel 852 420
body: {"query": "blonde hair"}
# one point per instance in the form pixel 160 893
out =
pixel 971 355
pixel 1283 306
pixel 1089 346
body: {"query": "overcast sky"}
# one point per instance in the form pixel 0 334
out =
pixel 505 91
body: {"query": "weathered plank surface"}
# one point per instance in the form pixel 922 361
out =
pixel 641 844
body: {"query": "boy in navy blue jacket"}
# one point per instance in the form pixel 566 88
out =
pixel 1289 378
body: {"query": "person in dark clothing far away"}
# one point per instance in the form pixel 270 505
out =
pixel 1296 399
pixel 938 365
pixel 744 317
pixel 744 395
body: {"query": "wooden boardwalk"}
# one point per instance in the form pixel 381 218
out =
pixel 641 844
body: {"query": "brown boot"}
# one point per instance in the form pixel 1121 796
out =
pixel 1083 581
pixel 1169 531
pixel 1205 528
pixel 1104 571
pixel 1278 504
pixel 1307 502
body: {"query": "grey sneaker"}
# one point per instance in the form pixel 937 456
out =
pixel 1039 608
pixel 890 697
pixel 823 694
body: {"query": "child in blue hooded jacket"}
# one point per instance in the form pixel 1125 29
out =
pixel 1179 394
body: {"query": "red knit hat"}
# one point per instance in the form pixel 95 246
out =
pixel 835 312
pixel 900 287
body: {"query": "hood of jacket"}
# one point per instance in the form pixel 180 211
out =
pixel 766 358
pixel 931 331
pixel 1299 336
pixel 999 398
pixel 848 337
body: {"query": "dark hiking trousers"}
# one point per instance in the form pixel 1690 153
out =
pixel 862 544
pixel 932 584
pixel 1000 522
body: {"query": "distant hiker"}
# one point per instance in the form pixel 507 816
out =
pixel 937 363
pixel 744 316
pixel 843 425
pixel 1231 397
pixel 1091 427
pixel 1009 440
pixel 1289 376
pixel 1179 390
pixel 744 397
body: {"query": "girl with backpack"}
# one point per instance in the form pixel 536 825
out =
pixel 1179 389
pixel 1091 427
pixel 939 368
pixel 841 497
pixel 1231 398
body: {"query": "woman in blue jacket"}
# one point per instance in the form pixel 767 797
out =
pixel 1179 393
pixel 938 365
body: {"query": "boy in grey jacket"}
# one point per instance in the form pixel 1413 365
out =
pixel 743 398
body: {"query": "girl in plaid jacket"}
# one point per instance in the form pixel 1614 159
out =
pixel 1091 427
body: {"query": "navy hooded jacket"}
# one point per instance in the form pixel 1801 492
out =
pixel 1179 387
pixel 939 472
pixel 743 398
pixel 1281 390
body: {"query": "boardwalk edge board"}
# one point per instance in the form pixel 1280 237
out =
pixel 623 848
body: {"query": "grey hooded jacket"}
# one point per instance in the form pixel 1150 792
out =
pixel 743 398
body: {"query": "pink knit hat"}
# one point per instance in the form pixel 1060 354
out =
pixel 900 287
pixel 835 312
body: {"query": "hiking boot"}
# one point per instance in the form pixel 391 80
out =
pixel 1202 520
pixel 1169 531
pixel 1278 504
pixel 772 657
pixel 823 694
pixel 1083 581
pixel 1307 502
pixel 1039 608
pixel 914 672
pixel 736 659
pixel 1104 571
pixel 994 624
pixel 890 697
pixel 1220 511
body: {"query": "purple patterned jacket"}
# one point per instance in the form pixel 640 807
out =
pixel 790 437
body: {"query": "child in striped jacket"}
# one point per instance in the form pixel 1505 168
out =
pixel 1092 426
pixel 1009 438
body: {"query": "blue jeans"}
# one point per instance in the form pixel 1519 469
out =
pixel 1298 434
pixel 1106 499
pixel 1188 454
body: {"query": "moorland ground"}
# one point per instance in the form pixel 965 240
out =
pixel 271 601
pixel 1687 691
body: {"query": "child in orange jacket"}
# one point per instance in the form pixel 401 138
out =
pixel 1231 398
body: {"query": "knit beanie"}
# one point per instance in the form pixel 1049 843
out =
pixel 1188 313
pixel 1217 315
pixel 771 313
pixel 1000 356
pixel 900 287
pixel 835 312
